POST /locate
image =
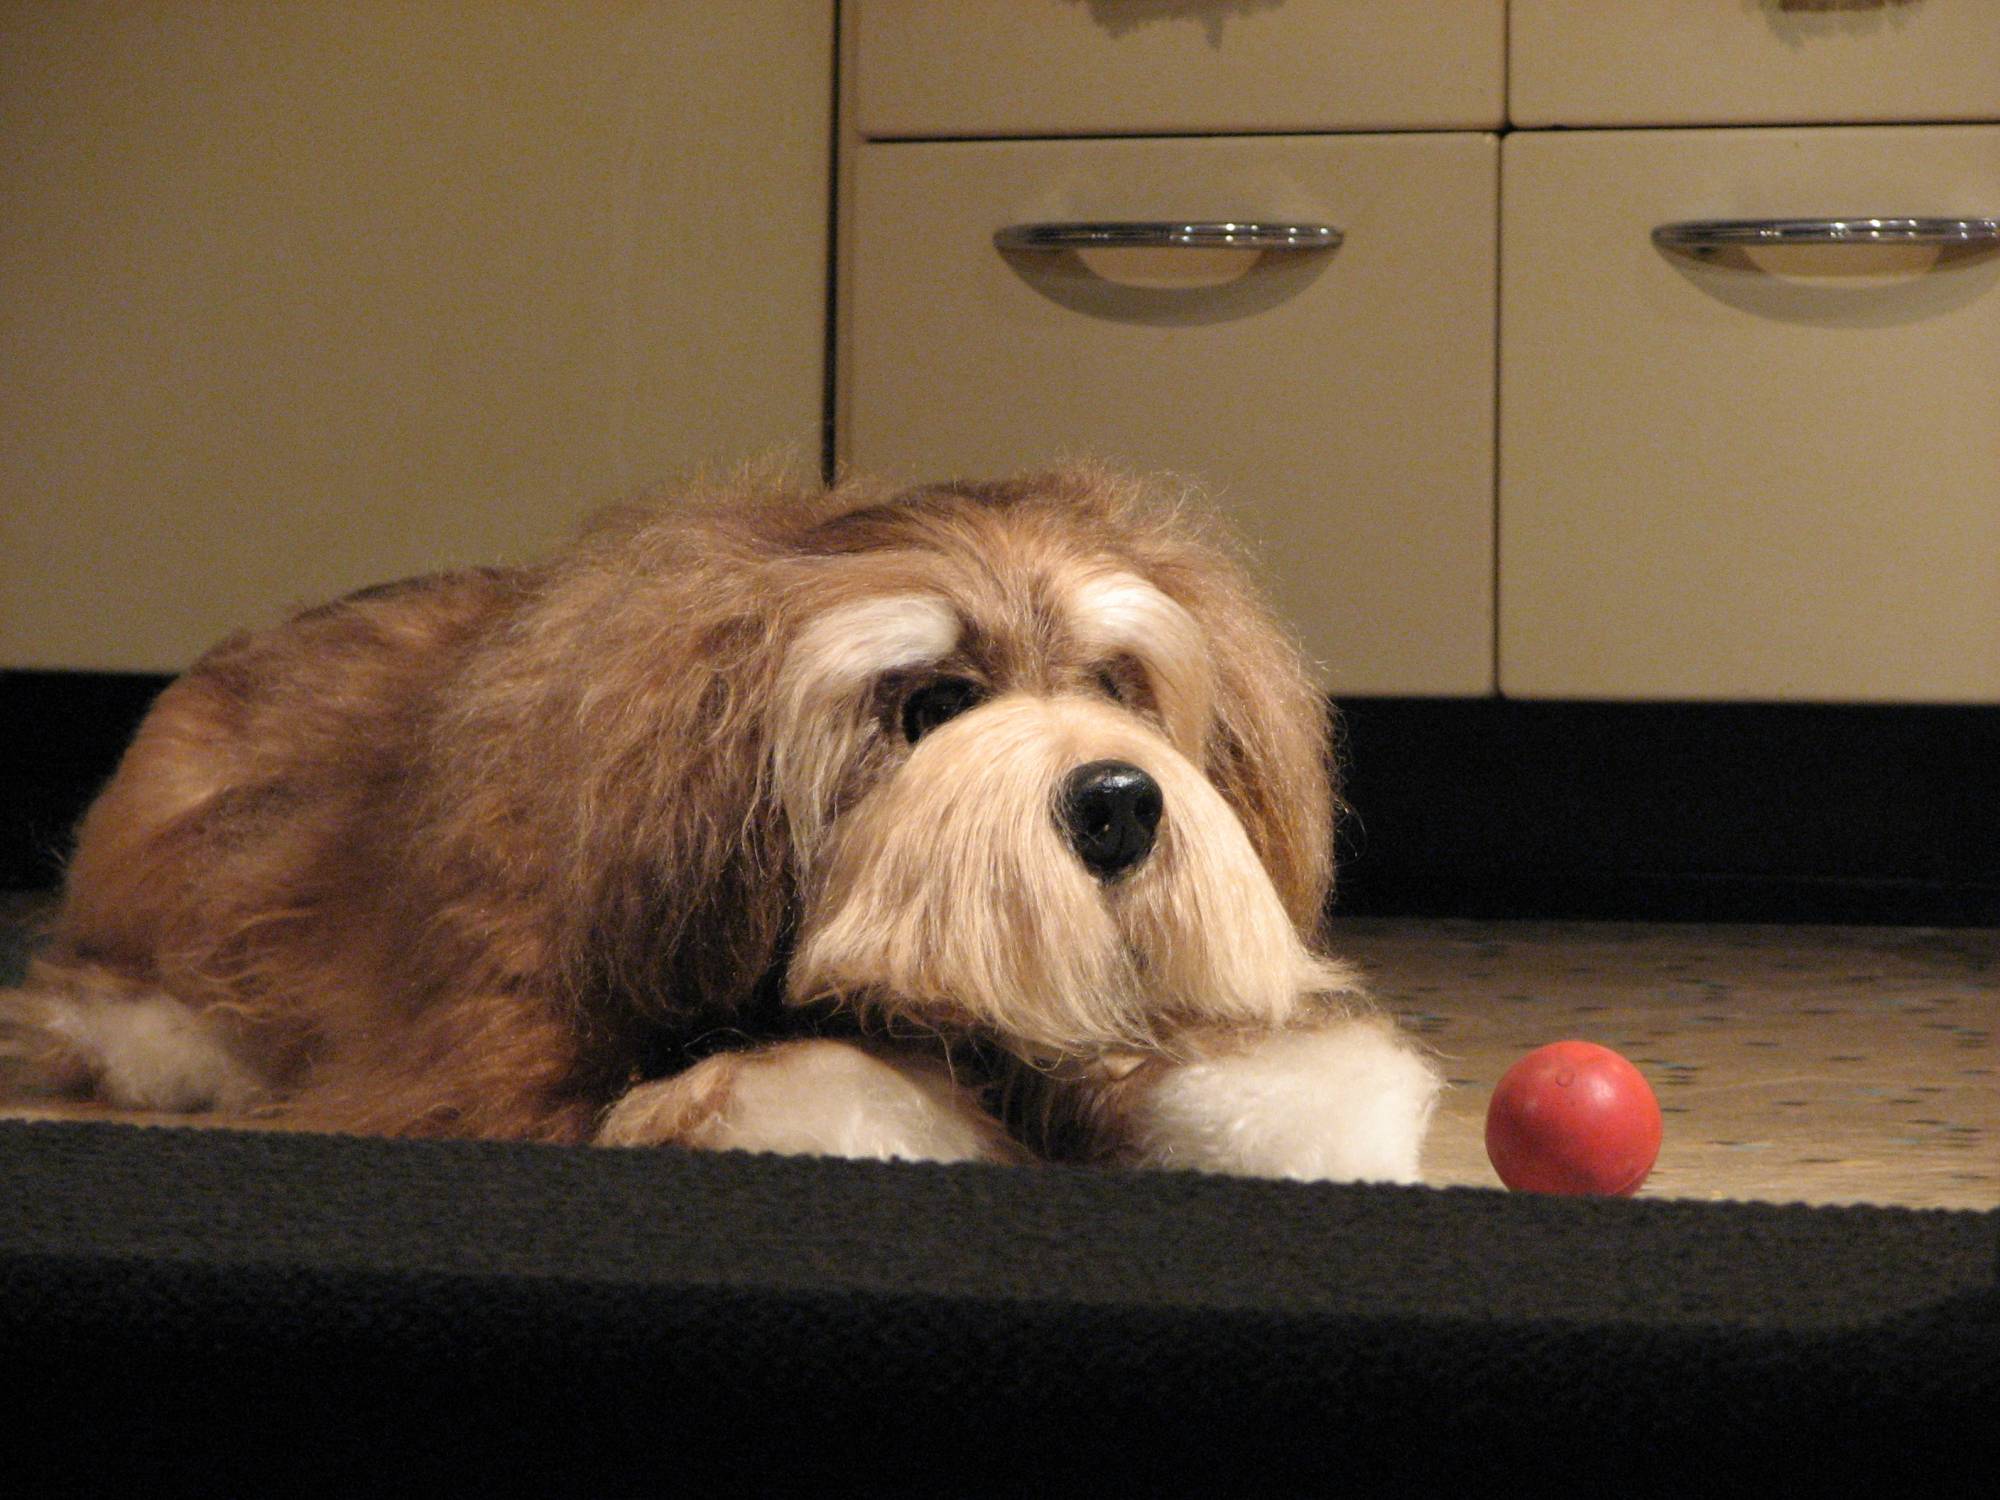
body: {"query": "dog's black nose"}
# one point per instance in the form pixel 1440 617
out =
pixel 1110 812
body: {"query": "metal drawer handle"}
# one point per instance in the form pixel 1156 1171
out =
pixel 1720 234
pixel 1167 234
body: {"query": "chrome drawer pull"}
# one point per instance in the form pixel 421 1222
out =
pixel 1167 234
pixel 1720 234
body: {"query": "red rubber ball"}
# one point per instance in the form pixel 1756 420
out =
pixel 1573 1117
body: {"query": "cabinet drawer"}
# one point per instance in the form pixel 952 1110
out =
pixel 1750 62
pixel 1119 67
pixel 1769 474
pixel 1338 402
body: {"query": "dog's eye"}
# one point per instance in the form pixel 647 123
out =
pixel 937 702
pixel 1123 680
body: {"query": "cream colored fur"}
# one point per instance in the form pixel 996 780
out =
pixel 817 1098
pixel 1346 1101
pixel 950 897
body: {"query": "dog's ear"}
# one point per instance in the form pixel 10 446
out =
pixel 1270 752
pixel 613 749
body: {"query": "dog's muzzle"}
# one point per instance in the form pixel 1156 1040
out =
pixel 1110 813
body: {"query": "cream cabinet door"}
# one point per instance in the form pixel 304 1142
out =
pixel 1338 403
pixel 1116 67
pixel 1749 62
pixel 294 298
pixel 1748 475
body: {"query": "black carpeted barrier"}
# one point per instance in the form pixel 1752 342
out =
pixel 241 1312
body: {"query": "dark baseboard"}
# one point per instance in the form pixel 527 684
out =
pixel 1462 807
pixel 1672 812
pixel 61 734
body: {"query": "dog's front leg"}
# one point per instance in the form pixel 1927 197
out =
pixel 1345 1098
pixel 813 1098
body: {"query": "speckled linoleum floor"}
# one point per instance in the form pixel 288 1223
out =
pixel 1793 1064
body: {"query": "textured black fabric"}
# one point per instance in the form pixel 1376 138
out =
pixel 239 1309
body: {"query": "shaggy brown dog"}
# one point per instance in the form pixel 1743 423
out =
pixel 948 823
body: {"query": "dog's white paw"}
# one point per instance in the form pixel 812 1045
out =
pixel 815 1098
pixel 1347 1102
pixel 138 1050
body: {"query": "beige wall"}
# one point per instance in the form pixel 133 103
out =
pixel 295 297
